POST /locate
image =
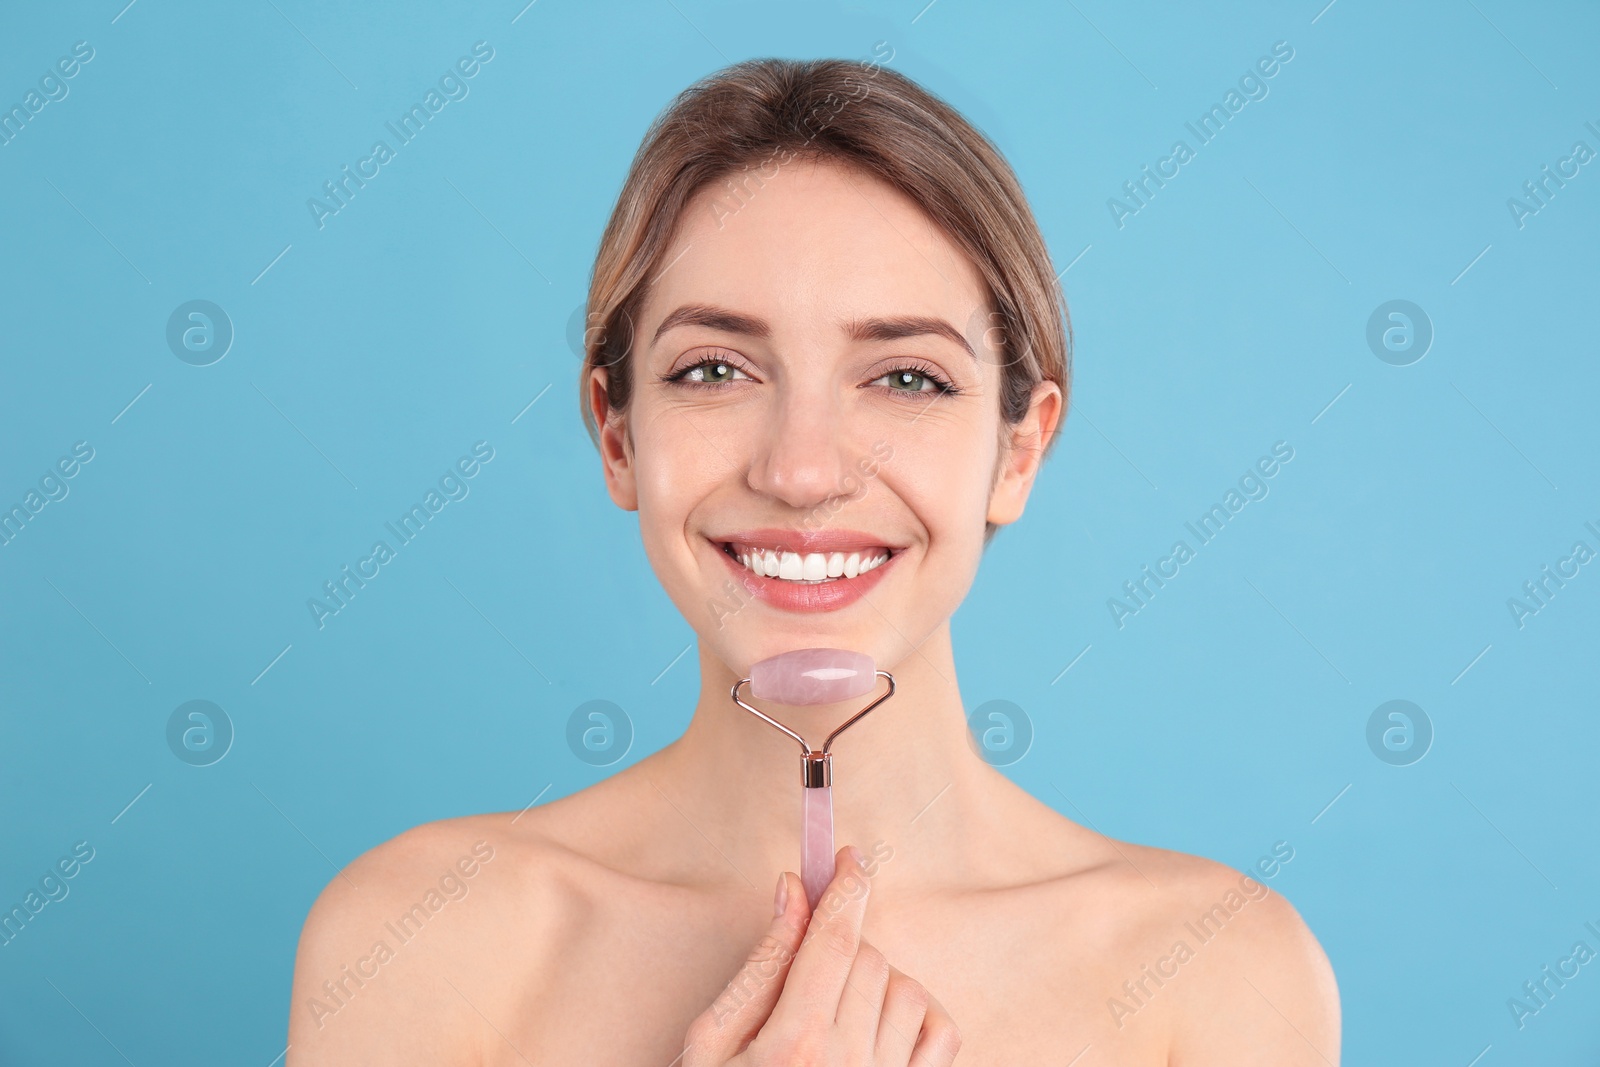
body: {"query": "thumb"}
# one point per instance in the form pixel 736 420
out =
pixel 723 1030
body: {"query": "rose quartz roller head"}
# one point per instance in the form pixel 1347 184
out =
pixel 810 676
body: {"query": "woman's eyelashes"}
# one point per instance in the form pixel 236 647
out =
pixel 922 374
pixel 710 371
pixel 911 377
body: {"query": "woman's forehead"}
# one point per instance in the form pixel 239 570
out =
pixel 814 243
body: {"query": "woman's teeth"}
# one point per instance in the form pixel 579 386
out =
pixel 811 567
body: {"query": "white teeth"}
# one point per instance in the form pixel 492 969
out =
pixel 811 567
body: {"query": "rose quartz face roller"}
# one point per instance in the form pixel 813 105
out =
pixel 804 677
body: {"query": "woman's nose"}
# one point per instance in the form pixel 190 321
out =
pixel 802 451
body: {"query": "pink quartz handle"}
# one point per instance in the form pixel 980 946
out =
pixel 813 676
pixel 816 844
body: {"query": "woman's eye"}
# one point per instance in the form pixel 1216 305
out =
pixel 709 372
pixel 714 372
pixel 907 380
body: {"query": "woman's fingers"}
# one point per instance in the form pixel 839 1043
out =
pixel 813 987
pixel 890 1020
pixel 816 981
pixel 862 1004
pixel 940 1040
pixel 914 1030
pixel 905 1003
pixel 743 1006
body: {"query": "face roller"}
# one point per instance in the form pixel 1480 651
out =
pixel 801 678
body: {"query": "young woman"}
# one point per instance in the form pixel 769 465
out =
pixel 828 356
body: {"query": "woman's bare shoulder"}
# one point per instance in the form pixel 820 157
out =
pixel 419 919
pixel 1219 954
pixel 440 862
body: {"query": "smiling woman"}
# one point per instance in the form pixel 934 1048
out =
pixel 826 402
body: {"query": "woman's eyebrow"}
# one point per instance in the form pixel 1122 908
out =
pixel 869 329
pixel 892 329
pixel 715 318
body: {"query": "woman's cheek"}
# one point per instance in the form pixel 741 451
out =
pixel 672 467
pixel 943 484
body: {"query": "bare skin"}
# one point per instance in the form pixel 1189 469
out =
pixel 605 927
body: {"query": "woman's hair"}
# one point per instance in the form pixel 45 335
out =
pixel 738 125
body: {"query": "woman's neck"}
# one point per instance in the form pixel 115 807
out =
pixel 907 781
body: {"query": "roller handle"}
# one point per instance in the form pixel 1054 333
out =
pixel 816 843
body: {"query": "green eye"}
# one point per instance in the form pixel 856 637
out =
pixel 914 381
pixel 708 372
pixel 906 378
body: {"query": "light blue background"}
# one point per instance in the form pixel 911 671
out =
pixel 1223 317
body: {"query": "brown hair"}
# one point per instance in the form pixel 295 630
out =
pixel 735 124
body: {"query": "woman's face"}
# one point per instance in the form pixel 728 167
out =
pixel 833 400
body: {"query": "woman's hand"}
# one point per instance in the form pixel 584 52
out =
pixel 812 992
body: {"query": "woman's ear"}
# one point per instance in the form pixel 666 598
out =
pixel 1020 459
pixel 616 445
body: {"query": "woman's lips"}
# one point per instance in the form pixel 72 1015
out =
pixel 805 596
